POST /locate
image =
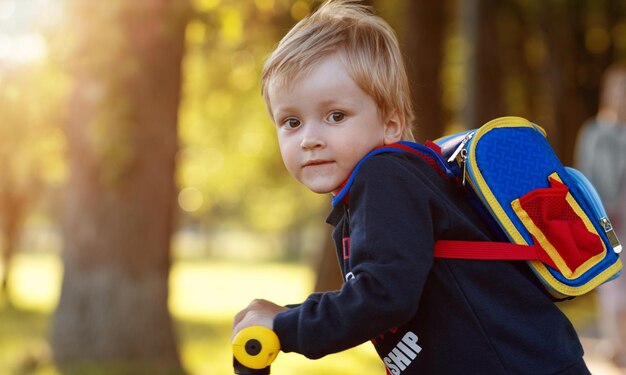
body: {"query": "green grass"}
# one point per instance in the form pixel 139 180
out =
pixel 23 348
pixel 204 297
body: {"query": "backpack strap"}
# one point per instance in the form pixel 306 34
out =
pixel 430 153
pixel 452 249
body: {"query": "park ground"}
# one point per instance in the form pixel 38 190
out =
pixel 205 294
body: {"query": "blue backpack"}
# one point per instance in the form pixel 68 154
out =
pixel 548 215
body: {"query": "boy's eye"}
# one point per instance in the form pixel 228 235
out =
pixel 336 117
pixel 291 123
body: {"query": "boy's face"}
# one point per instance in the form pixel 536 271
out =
pixel 326 123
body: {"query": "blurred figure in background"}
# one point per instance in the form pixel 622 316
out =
pixel 601 156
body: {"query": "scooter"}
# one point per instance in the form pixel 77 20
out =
pixel 254 350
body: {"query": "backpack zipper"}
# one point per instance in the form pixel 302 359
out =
pixel 464 164
pixel 583 183
pixel 462 151
pixel 461 146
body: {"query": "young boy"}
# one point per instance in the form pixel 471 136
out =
pixel 336 88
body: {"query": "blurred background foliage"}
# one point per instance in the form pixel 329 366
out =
pixel 469 61
pixel 230 172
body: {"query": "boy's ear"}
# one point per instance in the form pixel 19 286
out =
pixel 394 127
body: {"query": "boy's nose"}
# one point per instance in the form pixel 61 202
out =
pixel 311 137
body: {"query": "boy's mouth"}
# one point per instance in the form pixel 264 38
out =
pixel 312 163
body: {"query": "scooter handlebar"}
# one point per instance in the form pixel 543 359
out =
pixel 255 348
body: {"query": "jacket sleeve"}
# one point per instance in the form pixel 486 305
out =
pixel 391 253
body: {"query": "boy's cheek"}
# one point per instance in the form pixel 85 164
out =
pixel 290 165
pixel 287 153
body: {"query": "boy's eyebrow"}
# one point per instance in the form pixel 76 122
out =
pixel 283 111
pixel 335 100
pixel 322 103
pixel 327 102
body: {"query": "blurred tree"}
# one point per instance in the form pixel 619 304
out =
pixel 563 30
pixel 423 39
pixel 14 204
pixel 17 178
pixel 30 149
pixel 125 58
pixel 483 69
pixel 582 37
pixel 328 272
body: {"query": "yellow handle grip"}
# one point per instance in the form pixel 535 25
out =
pixel 256 347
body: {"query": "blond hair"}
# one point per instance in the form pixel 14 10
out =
pixel 365 43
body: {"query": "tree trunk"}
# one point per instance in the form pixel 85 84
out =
pixel 423 41
pixel 483 88
pixel 489 103
pixel 559 22
pixel 15 211
pixel 328 271
pixel 16 198
pixel 119 210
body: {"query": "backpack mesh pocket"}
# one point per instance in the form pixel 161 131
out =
pixel 560 228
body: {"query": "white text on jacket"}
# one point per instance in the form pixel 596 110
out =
pixel 402 354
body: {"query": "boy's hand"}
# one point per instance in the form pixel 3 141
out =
pixel 258 313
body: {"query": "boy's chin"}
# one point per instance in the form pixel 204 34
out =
pixel 323 189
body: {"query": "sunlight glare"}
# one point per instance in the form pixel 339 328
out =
pixel 7 9
pixel 30 47
pixel 190 199
pixel 22 49
pixel 6 46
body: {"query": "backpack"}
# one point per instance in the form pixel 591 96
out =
pixel 546 214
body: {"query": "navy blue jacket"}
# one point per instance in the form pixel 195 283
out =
pixel 426 315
